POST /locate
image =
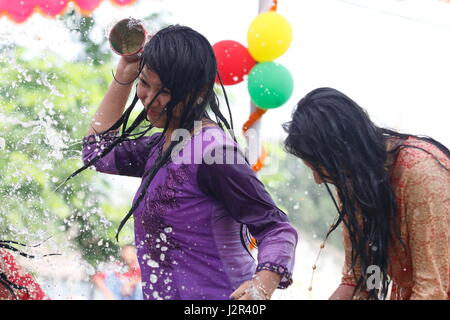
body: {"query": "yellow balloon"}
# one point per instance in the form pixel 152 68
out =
pixel 269 36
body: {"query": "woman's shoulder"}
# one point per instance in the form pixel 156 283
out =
pixel 415 151
pixel 418 159
pixel 208 143
pixel 213 136
pixel 144 144
pixel 113 135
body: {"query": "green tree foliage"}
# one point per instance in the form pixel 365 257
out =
pixel 81 28
pixel 46 104
pixel 45 109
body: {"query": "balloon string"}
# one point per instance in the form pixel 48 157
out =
pixel 274 5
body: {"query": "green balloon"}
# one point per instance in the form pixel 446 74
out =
pixel 270 85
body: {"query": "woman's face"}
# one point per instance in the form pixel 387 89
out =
pixel 148 87
pixel 317 178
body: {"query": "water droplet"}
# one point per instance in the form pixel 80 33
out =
pixel 153 278
pixel 153 264
pixel 168 230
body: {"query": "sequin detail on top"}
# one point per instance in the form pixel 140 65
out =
pixel 286 276
pixel 156 207
pixel 159 239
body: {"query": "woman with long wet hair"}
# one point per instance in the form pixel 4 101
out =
pixel 393 193
pixel 189 217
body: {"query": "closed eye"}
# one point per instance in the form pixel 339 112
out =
pixel 143 82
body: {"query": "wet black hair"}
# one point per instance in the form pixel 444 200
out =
pixel 185 62
pixel 4 281
pixel 336 137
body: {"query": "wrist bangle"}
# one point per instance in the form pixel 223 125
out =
pixel 121 83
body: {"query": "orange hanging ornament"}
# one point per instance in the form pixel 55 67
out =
pixel 255 116
pixel 274 5
pixel 260 163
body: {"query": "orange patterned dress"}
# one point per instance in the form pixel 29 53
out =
pixel 421 269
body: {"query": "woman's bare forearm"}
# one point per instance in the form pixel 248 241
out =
pixel 113 104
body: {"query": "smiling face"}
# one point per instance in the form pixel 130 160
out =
pixel 148 87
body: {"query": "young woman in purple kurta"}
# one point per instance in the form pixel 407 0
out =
pixel 189 211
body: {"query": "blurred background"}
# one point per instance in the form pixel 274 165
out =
pixel 390 56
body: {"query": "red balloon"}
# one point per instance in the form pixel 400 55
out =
pixel 233 61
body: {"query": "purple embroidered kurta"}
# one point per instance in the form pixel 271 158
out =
pixel 188 226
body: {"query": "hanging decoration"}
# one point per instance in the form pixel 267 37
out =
pixel 269 84
pixel 20 10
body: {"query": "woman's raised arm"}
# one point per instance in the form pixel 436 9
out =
pixel 115 99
